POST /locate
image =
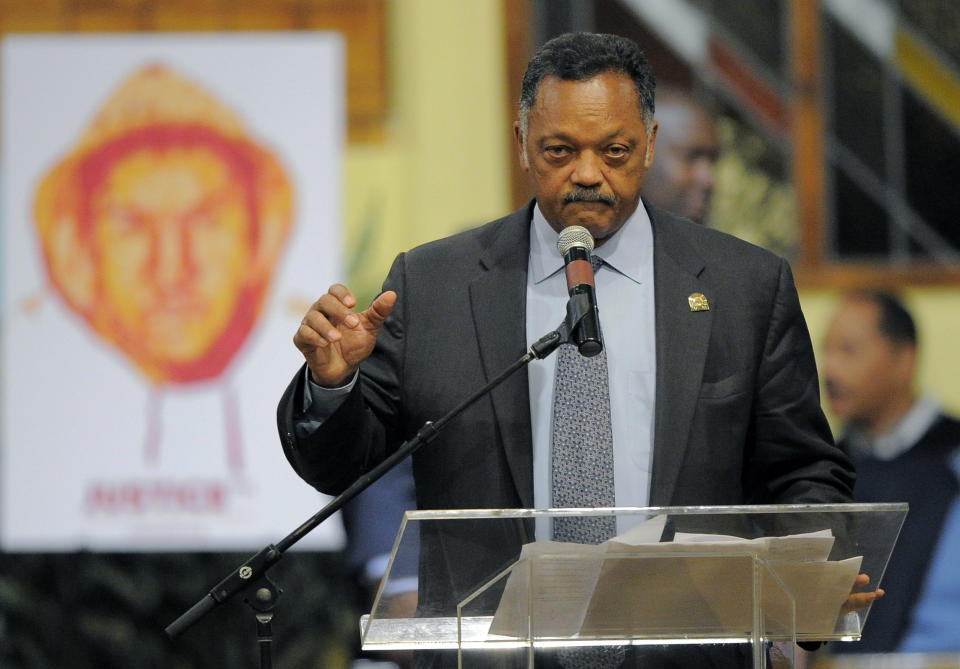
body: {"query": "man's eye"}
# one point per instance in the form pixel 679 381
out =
pixel 557 151
pixel 124 219
pixel 617 151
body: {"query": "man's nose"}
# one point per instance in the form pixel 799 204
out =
pixel 705 173
pixel 172 253
pixel 587 171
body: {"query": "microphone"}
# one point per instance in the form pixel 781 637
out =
pixel 575 245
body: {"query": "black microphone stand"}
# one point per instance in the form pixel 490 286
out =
pixel 250 578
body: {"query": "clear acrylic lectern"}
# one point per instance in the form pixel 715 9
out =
pixel 753 580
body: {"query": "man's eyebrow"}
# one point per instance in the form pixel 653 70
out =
pixel 555 137
pixel 564 137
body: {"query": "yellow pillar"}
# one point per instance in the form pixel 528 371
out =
pixel 445 163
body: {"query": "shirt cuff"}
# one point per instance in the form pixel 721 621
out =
pixel 320 402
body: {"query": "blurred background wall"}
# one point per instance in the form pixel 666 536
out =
pixel 840 144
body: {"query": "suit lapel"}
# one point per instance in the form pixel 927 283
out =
pixel 498 301
pixel 683 336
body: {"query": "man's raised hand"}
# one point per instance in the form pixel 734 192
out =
pixel 334 339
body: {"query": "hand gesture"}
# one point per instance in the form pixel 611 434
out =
pixel 335 339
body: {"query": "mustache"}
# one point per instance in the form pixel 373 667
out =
pixel 588 195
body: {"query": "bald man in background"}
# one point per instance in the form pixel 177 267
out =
pixel 681 178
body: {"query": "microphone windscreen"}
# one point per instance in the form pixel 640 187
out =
pixel 575 235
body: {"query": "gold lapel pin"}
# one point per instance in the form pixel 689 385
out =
pixel 698 302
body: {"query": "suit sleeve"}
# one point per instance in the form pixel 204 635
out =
pixel 793 458
pixel 366 427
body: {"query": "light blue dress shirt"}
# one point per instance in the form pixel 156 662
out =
pixel 625 298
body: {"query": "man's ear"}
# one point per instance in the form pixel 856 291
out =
pixel 905 362
pixel 521 148
pixel 651 142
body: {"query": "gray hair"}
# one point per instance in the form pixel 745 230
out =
pixel 581 56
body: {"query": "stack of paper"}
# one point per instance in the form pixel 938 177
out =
pixel 698 585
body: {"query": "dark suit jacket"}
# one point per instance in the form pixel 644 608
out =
pixel 738 418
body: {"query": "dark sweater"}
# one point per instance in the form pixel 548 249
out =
pixel 922 477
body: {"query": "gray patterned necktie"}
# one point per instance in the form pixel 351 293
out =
pixel 582 443
pixel 582 469
pixel 582 458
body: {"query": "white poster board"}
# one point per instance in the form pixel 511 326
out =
pixel 146 178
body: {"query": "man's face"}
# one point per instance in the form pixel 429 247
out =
pixel 587 152
pixel 681 179
pixel 864 371
pixel 172 235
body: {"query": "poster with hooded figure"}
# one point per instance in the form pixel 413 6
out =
pixel 170 207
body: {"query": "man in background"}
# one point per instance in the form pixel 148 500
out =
pixel 905 450
pixel 681 178
pixel 371 521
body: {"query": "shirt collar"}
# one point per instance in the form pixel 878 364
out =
pixel 628 251
pixel 904 434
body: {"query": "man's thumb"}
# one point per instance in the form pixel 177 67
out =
pixel 381 307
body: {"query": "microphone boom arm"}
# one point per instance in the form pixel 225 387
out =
pixel 255 568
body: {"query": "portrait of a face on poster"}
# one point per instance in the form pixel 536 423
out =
pixel 170 208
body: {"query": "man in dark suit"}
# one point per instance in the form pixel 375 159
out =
pixel 712 383
pixel 906 449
